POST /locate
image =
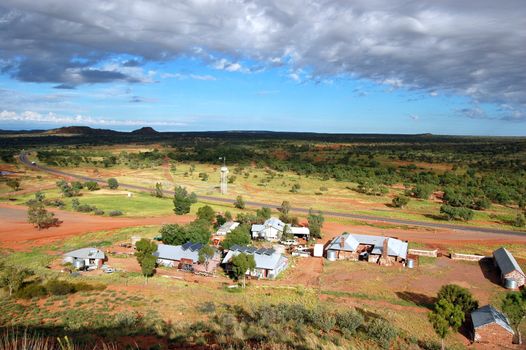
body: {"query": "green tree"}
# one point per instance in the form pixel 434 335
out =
pixel 207 214
pixel 113 184
pixel 315 223
pixel 514 306
pixel 239 202
pixel 205 254
pixel 38 215
pixel 240 236
pixel 444 316
pixel 12 278
pixel 263 214
pixel 195 232
pixel 423 191
pixel 458 296
pixel 400 201
pixel 456 213
pixel 284 208
pixel 228 216
pixel 144 250
pixel 183 200
pixel 241 264
pixel 91 185
pixel 13 183
pixel 519 221
pixel 157 191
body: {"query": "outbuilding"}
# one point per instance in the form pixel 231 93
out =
pixel 88 258
pixel 269 263
pixel 511 274
pixel 492 327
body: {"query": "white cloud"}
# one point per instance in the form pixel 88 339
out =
pixel 52 118
pixel 179 76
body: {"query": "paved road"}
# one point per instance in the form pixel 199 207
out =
pixel 23 159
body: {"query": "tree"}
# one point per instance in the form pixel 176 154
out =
pixel 514 306
pixel 12 278
pixel 144 253
pixel 423 191
pixel 157 191
pixel 220 220
pixel 457 295
pixel 315 223
pixel 38 215
pixel 91 185
pixel 205 254
pixel 520 221
pixel 241 264
pixel 183 200
pixel 240 236
pixel 207 214
pixel 196 232
pixel 284 208
pixel 67 189
pixel 445 315
pixel 456 213
pixel 400 201
pixel 113 184
pixel 239 202
pixel 263 214
pixel 13 183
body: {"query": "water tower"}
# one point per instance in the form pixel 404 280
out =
pixel 224 177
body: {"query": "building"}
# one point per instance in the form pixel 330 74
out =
pixel 85 258
pixel 511 273
pixel 172 255
pixel 375 249
pixel 269 263
pixel 272 230
pixel 227 227
pixel 491 326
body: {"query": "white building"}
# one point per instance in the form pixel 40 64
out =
pixel 86 257
pixel 269 263
pixel 227 227
pixel 272 230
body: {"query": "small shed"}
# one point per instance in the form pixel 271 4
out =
pixel 91 257
pixel 490 326
pixel 510 271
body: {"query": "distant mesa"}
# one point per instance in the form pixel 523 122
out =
pixel 79 130
pixel 145 131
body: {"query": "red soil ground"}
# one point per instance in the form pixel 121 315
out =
pixel 16 233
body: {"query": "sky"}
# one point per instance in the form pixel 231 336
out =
pixel 364 66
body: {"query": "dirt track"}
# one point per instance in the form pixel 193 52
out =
pixel 16 233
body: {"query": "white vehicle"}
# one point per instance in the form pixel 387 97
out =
pixel 289 242
pixel 303 252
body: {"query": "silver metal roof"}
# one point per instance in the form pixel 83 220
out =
pixel 227 227
pixel 266 258
pixel 86 253
pixel 395 246
pixel 487 315
pixel 505 261
pixel 177 252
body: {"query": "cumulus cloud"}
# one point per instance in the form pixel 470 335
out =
pixel 473 47
pixel 52 118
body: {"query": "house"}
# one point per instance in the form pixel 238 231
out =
pixel 375 249
pixel 269 263
pixel 227 227
pixel 272 230
pixel 491 326
pixel 89 258
pixel 185 257
pixel 511 273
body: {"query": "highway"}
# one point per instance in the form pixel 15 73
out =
pixel 23 158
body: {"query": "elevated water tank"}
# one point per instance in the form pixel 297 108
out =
pixel 331 255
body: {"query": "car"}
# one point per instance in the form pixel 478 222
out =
pixel 303 253
pixel 289 242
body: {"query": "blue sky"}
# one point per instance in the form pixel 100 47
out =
pixel 275 68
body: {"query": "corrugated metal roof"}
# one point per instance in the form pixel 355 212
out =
pixel 487 315
pixel 299 230
pixel 505 261
pixel 86 253
pixel 177 252
pixel 265 258
pixel 395 246
pixel 227 227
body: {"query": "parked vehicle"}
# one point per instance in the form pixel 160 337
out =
pixel 289 242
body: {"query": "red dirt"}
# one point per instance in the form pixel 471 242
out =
pixel 17 234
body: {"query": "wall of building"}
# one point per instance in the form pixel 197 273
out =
pixel 517 276
pixel 493 334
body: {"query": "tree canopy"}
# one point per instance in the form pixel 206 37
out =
pixel 183 200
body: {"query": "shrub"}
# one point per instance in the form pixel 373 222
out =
pixel 400 201
pixel 382 332
pixel 32 290
pixel 54 203
pixel 99 212
pixel 83 286
pixel 86 208
pixel 59 287
pixel 113 183
pixel 115 213
pixel 349 321
pixel 323 319
pixel 91 185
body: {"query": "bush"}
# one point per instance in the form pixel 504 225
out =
pixel 54 203
pixel 113 183
pixel 32 290
pixel 58 287
pixel 83 287
pixel 86 208
pixel 115 213
pixel 349 321
pixel 91 185
pixel 382 332
pixel 98 212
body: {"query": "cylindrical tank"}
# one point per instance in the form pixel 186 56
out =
pixel 510 283
pixel 79 264
pixel 331 255
pixel 410 263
